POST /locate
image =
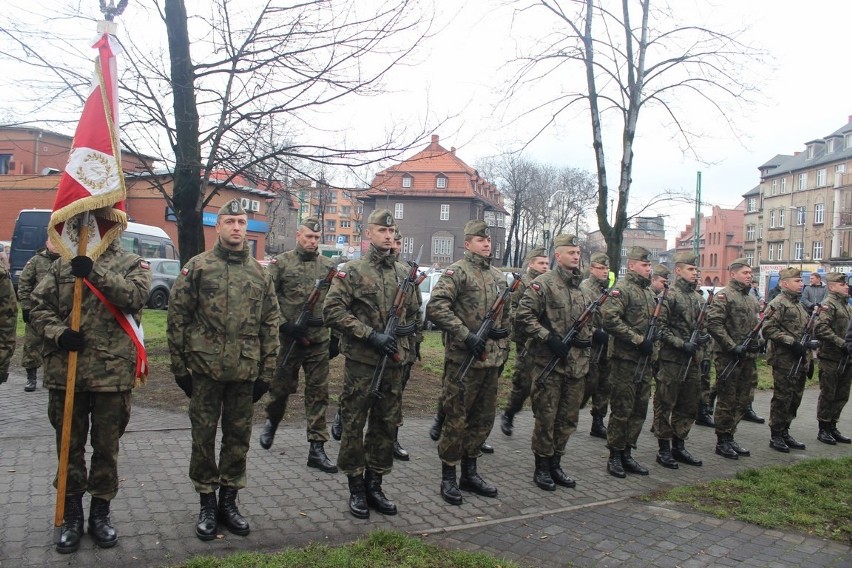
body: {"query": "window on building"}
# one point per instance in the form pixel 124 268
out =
pixel 397 210
pixel 803 181
pixel 819 213
pixel 847 141
pixel 781 218
pixel 332 197
pixel 496 253
pixel 655 253
pixel 442 249
pixel 798 250
pixel 359 209
pixel 783 185
pixel 750 232
pixel 345 224
pixel 5 161
pixel 780 251
pixel 441 182
pixel 331 209
pixel 840 168
pixel 760 231
pixel 811 151
pixel 772 218
pixel 771 254
pixel 816 252
pixel 800 215
pixel 445 211
pixel 821 177
pixel 623 252
pixel 407 245
pixel 345 209
pixel 407 180
pixel 331 239
pixel 774 188
pixel 622 270
pixel 752 204
pixel 829 146
pixel 750 257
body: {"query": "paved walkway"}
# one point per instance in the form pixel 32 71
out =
pixel 288 504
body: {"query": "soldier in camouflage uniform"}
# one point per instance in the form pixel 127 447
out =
pixel 676 395
pixel 783 331
pixel 35 269
pixel 730 318
pixel 295 275
pixel 659 278
pixel 548 310
pixel 834 381
pixel 357 306
pixel 223 340
pixel 597 380
pixel 8 323
pixel 457 306
pixel 626 317
pixel 106 373
pixel 707 396
pixel 537 264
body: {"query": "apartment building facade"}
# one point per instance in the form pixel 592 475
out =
pixel 647 232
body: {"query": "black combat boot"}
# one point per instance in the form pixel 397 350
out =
pixel 598 428
pixel 72 527
pixel 317 458
pixel 541 476
pixel 229 515
pixel 399 452
pixel 613 466
pixel 358 497
pixel 268 434
pixel 471 480
pixel 664 456
pixel 835 433
pixel 776 442
pixel 681 454
pixel 631 465
pixel 751 416
pixel 31 380
pixel 791 442
pixel 705 416
pixel 205 528
pixel 375 496
pixel 337 426
pixel 559 476
pixel 100 527
pixel 486 448
pixel 449 488
pixel 437 424
pixel 507 423
pixel 824 434
pixel 723 447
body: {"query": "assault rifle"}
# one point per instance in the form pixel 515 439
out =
pixel 693 338
pixel 305 317
pixel 392 325
pixel 805 339
pixel 844 362
pixel 650 335
pixel 578 326
pixel 752 335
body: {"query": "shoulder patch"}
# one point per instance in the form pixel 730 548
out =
pixel 449 272
pixel 341 274
pixel 615 293
pixel 720 296
pixel 184 271
pixel 535 286
pixel 273 261
pixel 144 265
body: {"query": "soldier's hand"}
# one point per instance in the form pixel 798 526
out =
pixel 260 388
pixel 689 347
pixel 26 315
pixel 797 349
pixel 333 347
pixel 646 347
pixel 185 384
pixel 474 344
pixel 498 333
pixel 739 350
pixel 704 338
pixel 555 344
pixel 581 343
pixel 81 266
pixel 71 340
pixel 292 330
pixel 383 343
pixel 600 337
pixel 813 344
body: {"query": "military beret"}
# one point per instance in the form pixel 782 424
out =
pixel 566 241
pixel 662 270
pixel 536 252
pixel 381 217
pixel 836 277
pixel 685 258
pixel 738 263
pixel 790 272
pixel 397 236
pixel 312 223
pixel 639 253
pixel 233 207
pixel 476 228
pixel 600 258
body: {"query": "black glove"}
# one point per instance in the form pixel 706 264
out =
pixel 71 340
pixel 704 338
pixel 333 347
pixel 646 347
pixel 600 337
pixel 739 350
pixel 474 344
pixel 292 330
pixel 315 322
pixel 417 351
pixel 555 344
pixel 384 344
pixel 81 266
pixel 581 343
pixel 185 384
pixel 689 347
pixel 26 315
pixel 813 344
pixel 260 388
pixel 755 347
pixel 797 349
pixel 498 333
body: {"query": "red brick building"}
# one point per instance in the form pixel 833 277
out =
pixel 721 241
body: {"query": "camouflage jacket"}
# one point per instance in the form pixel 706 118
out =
pixel 593 288
pixel 459 302
pixel 551 305
pixel 831 325
pixel 107 363
pixel 8 322
pixel 526 278
pixel 295 274
pixel 785 327
pixel 678 316
pixel 360 300
pixel 627 315
pixel 705 352
pixel 223 318
pixel 732 316
pixel 34 270
pixel 417 337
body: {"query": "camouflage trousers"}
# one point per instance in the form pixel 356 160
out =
pixel 372 449
pixel 628 404
pixel 833 390
pixel 31 357
pixel 469 412
pixel 675 400
pixel 556 406
pixel 521 381
pixel 597 384
pixel 734 394
pixel 233 402
pixel 314 360
pixel 707 389
pixel 107 414
pixel 787 392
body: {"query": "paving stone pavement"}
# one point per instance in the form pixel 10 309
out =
pixel 288 504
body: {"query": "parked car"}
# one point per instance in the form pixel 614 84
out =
pixel 164 272
pixel 425 293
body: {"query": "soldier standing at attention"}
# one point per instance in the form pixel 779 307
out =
pixel 35 269
pixel 704 416
pixel 8 323
pixel 783 331
pixel 597 381
pixel 537 264
pixel 834 381
pixel 457 307
pixel 626 317
pixel 223 340
pixel 357 306
pixel 550 306
pixel 106 373
pixel 676 397
pixel 659 278
pixel 730 318
pixel 295 274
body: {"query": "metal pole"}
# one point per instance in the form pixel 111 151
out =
pixel 696 237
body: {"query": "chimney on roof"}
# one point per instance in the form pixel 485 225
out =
pixel 796 153
pixel 434 139
pixel 850 118
pixel 453 150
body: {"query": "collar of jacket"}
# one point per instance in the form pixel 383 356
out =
pixel 533 274
pixel 790 294
pixel 570 276
pixel 839 296
pixel 684 286
pixel 380 257
pixel 230 256
pixel 739 286
pixel 304 254
pixel 637 279
pixel 483 262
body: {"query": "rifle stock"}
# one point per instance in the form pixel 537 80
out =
pixel 729 368
pixel 307 310
pixel 693 338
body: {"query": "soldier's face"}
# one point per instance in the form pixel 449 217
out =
pixel 397 246
pixel 640 267
pixel 838 287
pixel 688 272
pixel 568 257
pixel 794 285
pixel 742 275
pixel 308 239
pixel 599 271
pixel 540 264
pixel 479 245
pixel 658 283
pixel 381 236
pixel 231 230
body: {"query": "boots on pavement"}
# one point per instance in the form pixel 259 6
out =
pixel 375 496
pixel 449 486
pixel 776 442
pixel 318 459
pixel 205 528
pixel 824 434
pixel 613 465
pixel 337 426
pixel 268 433
pixel 31 380
pixel 630 464
pixel 751 416
pixel 542 476
pixel 507 423
pixel 358 497
pixel 681 454
pixel 723 447
pixel 835 433
pixel 559 476
pixel 100 527
pixel 598 427
pixel 72 527
pixel 399 452
pixel 229 514
pixel 472 481
pixel 664 456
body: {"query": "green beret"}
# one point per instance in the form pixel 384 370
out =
pixel 685 258
pixel 739 263
pixel 312 223
pixel 790 272
pixel 536 252
pixel 566 241
pixel 233 207
pixel 600 258
pixel 662 270
pixel 476 228
pixel 836 277
pixel 381 217
pixel 397 236
pixel 639 253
